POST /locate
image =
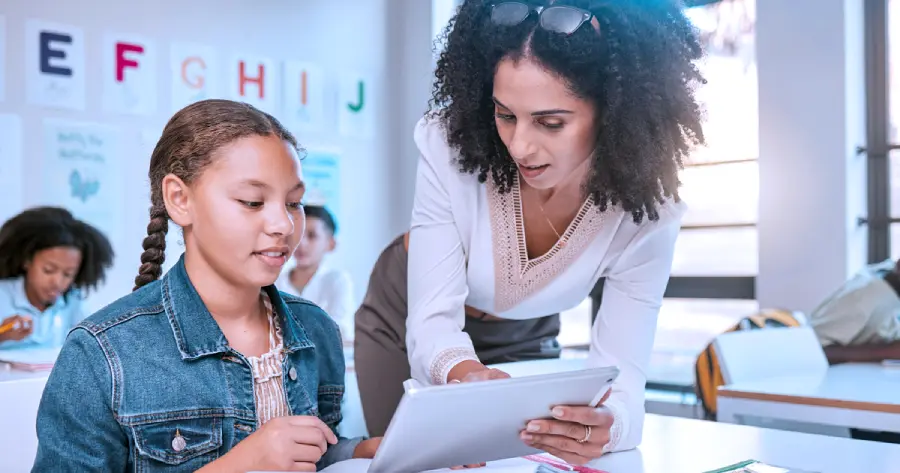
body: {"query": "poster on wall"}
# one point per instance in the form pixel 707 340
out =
pixel 81 172
pixel 254 80
pixel 322 175
pixel 355 108
pixel 54 65
pixel 3 45
pixel 304 96
pixel 129 74
pixel 10 166
pixel 194 71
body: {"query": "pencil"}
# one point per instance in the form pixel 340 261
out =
pixel 8 326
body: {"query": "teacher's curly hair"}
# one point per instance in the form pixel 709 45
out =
pixel 634 61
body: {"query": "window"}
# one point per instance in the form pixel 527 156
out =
pixel 883 137
pixel 716 256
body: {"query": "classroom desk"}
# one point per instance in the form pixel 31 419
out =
pixel 862 396
pixel 676 445
pixel 20 395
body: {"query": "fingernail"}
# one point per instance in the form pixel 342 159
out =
pixel 526 437
pixel 558 412
pixel 533 427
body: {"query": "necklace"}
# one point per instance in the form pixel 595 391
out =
pixel 562 241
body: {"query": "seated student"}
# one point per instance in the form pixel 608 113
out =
pixel 47 259
pixel 860 322
pixel 308 276
pixel 210 368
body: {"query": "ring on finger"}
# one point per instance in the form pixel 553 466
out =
pixel 587 434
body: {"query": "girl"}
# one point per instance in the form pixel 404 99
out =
pixel 210 368
pixel 48 258
pixel 549 160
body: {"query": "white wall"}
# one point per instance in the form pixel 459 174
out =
pixel 382 37
pixel 812 116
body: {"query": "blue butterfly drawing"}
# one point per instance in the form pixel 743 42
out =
pixel 82 188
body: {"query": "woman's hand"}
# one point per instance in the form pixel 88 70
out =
pixel 15 328
pixel 469 371
pixel 477 373
pixel 576 434
pixel 291 443
pixel 484 375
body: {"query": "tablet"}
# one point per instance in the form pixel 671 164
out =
pixel 458 424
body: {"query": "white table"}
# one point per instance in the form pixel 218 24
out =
pixel 862 396
pixel 20 395
pixel 676 445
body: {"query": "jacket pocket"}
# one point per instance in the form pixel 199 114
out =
pixel 186 443
pixel 330 397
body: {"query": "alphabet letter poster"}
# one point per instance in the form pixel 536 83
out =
pixel 355 105
pixel 194 72
pixel 3 45
pixel 129 74
pixel 54 63
pixel 10 166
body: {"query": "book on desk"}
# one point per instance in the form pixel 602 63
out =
pixel 30 359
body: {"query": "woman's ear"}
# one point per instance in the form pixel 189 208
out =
pixel 177 198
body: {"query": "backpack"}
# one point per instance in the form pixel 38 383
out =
pixel 708 375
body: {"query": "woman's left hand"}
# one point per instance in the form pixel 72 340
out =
pixel 564 435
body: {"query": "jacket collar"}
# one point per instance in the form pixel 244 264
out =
pixel 196 332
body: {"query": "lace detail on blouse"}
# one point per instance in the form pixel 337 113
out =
pixel 268 379
pixel 515 276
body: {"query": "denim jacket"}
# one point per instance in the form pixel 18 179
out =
pixel 155 365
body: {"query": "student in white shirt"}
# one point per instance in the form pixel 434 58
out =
pixel 47 260
pixel 549 159
pixel 308 275
pixel 860 321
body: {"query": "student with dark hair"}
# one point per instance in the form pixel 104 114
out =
pixel 48 260
pixel 308 274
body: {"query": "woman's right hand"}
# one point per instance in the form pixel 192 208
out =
pixel 475 374
pixel 484 375
pixel 470 371
pixel 16 328
pixel 291 443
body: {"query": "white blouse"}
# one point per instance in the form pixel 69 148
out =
pixel 467 248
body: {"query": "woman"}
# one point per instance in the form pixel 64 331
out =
pixel 47 259
pixel 549 159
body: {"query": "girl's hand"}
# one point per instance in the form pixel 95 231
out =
pixel 292 443
pixel 576 434
pixel 15 328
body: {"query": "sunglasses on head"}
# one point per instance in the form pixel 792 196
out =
pixel 563 19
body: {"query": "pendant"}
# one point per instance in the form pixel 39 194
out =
pixel 178 443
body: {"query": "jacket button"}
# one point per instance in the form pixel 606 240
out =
pixel 178 443
pixel 293 373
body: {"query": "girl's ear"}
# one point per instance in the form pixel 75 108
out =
pixel 177 197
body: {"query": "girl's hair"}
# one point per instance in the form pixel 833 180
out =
pixel 41 228
pixel 186 147
pixel 638 70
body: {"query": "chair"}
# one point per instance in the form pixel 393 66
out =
pixel 750 355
